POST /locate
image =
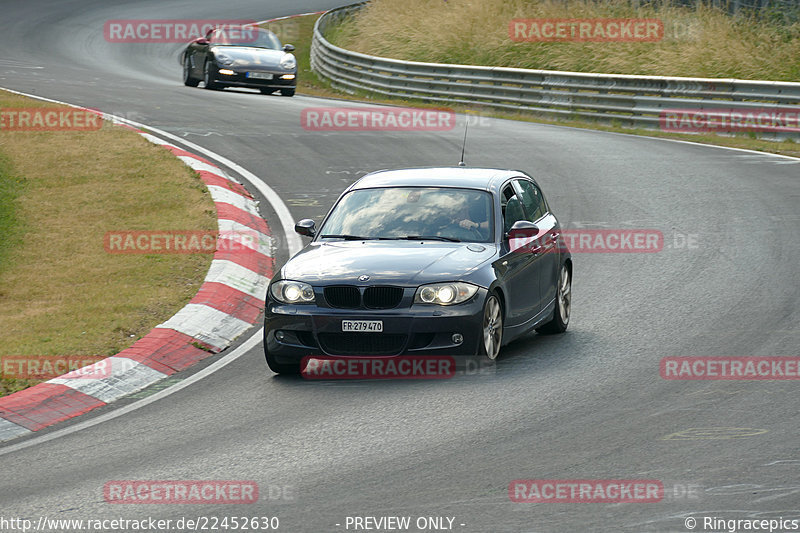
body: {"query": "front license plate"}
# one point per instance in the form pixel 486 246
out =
pixel 259 75
pixel 375 326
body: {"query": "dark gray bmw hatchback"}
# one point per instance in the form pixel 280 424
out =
pixel 423 261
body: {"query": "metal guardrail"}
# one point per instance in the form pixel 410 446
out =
pixel 634 101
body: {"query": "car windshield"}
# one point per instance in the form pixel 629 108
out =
pixel 245 36
pixel 424 213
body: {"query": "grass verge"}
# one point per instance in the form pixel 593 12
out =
pixel 299 31
pixel 698 41
pixel 62 294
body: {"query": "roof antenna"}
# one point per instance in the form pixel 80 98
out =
pixel 464 144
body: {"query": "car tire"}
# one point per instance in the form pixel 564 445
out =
pixel 267 91
pixel 208 76
pixel 287 92
pixel 491 328
pixel 563 308
pixel 188 80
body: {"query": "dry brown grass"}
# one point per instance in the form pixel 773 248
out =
pixel 61 293
pixel 702 42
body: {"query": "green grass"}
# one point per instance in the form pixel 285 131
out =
pixel 61 294
pixel 11 187
pixel 699 41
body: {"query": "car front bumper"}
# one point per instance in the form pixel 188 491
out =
pixel 240 79
pixel 292 332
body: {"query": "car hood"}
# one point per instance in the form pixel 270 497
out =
pixel 399 263
pixel 248 56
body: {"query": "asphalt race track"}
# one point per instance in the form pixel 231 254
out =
pixel 590 404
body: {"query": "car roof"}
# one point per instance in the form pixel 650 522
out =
pixel 489 179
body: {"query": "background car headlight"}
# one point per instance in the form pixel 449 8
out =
pixel 223 59
pixel 292 292
pixel 445 293
pixel 288 62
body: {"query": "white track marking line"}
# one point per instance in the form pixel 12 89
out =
pixel 194 319
pixel 242 349
pixel 127 376
pixel 237 277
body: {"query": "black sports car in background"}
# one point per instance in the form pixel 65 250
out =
pixel 245 56
pixel 422 262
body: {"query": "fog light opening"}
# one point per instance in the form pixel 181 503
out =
pixel 226 72
pixel 280 335
pixel 458 338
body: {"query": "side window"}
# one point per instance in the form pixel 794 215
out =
pixel 532 199
pixel 512 208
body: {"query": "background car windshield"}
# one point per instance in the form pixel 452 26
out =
pixel 245 36
pixel 462 214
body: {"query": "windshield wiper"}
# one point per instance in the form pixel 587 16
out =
pixel 429 238
pixel 355 238
pixel 346 237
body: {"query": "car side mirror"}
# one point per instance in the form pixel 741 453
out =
pixel 522 229
pixel 306 227
pixel 288 48
pixel 202 41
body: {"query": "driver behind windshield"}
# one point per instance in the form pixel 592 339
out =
pixel 474 216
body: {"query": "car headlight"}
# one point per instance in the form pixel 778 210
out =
pixel 224 59
pixel 445 293
pixel 292 292
pixel 288 62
